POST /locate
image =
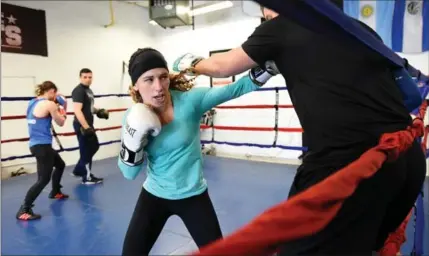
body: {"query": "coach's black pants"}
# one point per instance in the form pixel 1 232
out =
pixel 88 146
pixel 151 214
pixel 377 207
pixel 47 158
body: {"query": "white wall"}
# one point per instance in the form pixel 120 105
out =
pixel 418 60
pixel 76 39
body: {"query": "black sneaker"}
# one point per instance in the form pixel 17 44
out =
pixel 26 213
pixel 91 180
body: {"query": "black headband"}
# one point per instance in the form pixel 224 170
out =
pixel 145 60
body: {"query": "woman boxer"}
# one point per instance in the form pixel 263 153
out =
pixel 175 184
pixel 40 112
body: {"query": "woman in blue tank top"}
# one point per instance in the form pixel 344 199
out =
pixel 40 112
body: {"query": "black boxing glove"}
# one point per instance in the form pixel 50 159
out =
pixel 261 75
pixel 87 132
pixel 102 113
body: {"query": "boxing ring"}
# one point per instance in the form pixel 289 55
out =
pixel 94 220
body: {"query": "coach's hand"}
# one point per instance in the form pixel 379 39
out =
pixel 261 75
pixel 87 132
pixel 186 63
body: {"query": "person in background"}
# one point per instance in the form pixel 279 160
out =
pixel 83 124
pixel 164 124
pixel 346 98
pixel 40 113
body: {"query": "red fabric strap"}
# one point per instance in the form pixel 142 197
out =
pixel 311 210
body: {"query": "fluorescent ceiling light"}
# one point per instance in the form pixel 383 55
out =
pixel 180 9
pixel 168 7
pixel 211 8
pixel 152 22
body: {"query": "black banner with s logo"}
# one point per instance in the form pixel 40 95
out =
pixel 23 30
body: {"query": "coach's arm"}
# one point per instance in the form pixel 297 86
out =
pixel 225 64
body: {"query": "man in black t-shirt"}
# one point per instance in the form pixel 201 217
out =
pixel 345 97
pixel 83 124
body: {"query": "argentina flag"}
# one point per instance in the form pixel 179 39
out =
pixel 403 25
pixel 410 31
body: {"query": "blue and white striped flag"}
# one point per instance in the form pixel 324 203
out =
pixel 403 25
pixel 410 33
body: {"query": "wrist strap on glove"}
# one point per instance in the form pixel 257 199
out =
pixel 131 158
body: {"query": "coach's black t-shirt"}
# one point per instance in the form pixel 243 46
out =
pixel 344 93
pixel 83 94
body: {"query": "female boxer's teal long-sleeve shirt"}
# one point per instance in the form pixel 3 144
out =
pixel 174 158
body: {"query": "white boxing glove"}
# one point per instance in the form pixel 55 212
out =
pixel 186 63
pixel 139 123
pixel 261 75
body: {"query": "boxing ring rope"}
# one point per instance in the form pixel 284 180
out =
pixel 273 221
pixel 203 127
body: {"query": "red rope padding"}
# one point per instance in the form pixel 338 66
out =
pixel 13 117
pixel 425 138
pixel 395 240
pixel 426 129
pixel 393 243
pixel 310 211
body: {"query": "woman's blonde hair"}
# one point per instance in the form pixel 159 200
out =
pixel 177 82
pixel 44 87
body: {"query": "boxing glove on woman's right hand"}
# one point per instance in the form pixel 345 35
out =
pixel 139 123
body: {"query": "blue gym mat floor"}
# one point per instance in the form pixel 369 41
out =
pixel 95 218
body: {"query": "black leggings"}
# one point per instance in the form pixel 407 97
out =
pixel 151 214
pixel 47 158
pixel 375 209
